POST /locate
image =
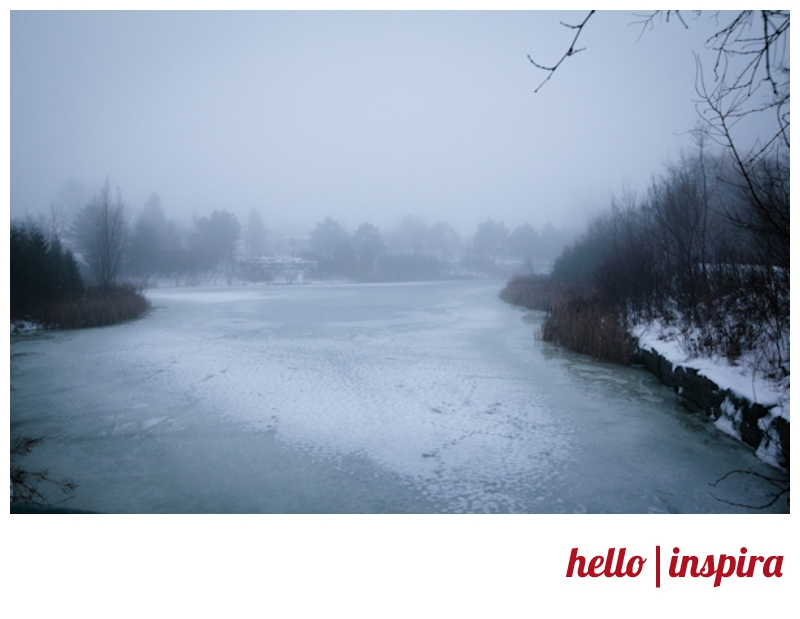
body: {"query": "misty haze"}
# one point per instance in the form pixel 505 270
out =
pixel 399 262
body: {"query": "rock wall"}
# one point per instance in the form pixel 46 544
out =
pixel 754 424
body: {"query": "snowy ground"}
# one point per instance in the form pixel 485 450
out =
pixel 359 398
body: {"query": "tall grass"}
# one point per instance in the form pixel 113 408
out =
pixel 581 322
pixel 537 292
pixel 576 317
pixel 97 307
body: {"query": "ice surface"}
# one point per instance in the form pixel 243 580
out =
pixel 358 398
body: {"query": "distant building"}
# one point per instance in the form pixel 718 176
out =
pixel 283 269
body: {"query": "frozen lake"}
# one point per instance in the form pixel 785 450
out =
pixel 423 397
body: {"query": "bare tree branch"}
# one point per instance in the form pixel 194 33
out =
pixel 25 484
pixel 648 19
pixel 751 50
pixel 781 485
pixel 570 52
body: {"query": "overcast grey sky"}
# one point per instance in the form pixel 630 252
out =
pixel 360 116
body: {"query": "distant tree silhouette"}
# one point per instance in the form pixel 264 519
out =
pixel 524 244
pixel 256 235
pixel 149 243
pixel 214 239
pixel 444 241
pixel 101 234
pixel 332 247
pixel 410 236
pixel 369 246
pixel 489 241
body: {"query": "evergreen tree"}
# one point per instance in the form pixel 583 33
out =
pixel 42 273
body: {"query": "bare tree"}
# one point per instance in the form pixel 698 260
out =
pixel 681 208
pixel 578 28
pixel 54 222
pixel 71 197
pixel 101 233
pixel 742 81
pixel 761 172
pixel 751 57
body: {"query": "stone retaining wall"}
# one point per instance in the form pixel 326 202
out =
pixel 751 422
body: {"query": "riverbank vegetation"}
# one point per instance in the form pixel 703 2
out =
pixel 48 290
pixel 704 254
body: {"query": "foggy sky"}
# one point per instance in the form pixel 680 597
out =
pixel 359 116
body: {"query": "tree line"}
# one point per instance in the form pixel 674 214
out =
pixel 112 242
pixel 414 250
pixel 220 245
pixel 103 253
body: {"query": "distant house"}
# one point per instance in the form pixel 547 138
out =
pixel 283 269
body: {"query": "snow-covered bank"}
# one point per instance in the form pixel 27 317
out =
pixel 24 327
pixel 744 403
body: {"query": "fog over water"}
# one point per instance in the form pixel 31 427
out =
pixel 361 116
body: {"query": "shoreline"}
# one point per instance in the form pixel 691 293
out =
pixel 764 425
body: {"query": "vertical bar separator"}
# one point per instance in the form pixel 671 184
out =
pixel 658 567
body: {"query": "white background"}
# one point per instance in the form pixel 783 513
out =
pixel 379 566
